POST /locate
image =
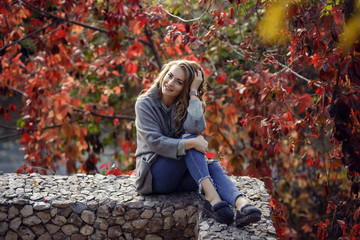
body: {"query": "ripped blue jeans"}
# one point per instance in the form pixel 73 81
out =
pixel 182 175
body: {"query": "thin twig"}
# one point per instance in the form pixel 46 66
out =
pixel 17 91
pixel 30 130
pixel 295 73
pixel 148 34
pixel 25 166
pixel 104 62
pixel 54 30
pixel 21 130
pixel 140 40
pixel 45 169
pixel 105 116
pixel 25 37
pixel 185 20
pixel 243 144
pixel 225 139
pixel 9 127
pixel 9 136
pixel 287 107
pixel 32 7
pixel 43 13
pixel 242 55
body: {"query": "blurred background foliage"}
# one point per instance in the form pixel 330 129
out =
pixel 282 103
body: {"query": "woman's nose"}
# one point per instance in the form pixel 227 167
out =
pixel 171 81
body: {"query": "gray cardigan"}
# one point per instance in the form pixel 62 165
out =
pixel 154 126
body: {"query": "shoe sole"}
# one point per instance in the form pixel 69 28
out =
pixel 246 220
pixel 213 216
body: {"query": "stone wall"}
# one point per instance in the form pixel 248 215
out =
pixel 34 206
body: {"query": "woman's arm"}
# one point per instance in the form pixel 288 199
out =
pixel 149 133
pixel 199 143
pixel 195 121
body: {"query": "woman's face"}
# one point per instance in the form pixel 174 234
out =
pixel 173 83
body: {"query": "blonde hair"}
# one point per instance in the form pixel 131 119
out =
pixel 190 69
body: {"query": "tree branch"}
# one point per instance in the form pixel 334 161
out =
pixel 242 55
pixel 46 14
pixel 17 91
pixel 295 73
pixel 39 11
pixel 140 40
pixel 148 34
pixel 30 130
pixel 152 46
pixel 26 36
pixel 186 20
pixel 9 136
pixel 105 116
pixel 122 117
pixel 225 139
pixel 9 127
pixel 104 62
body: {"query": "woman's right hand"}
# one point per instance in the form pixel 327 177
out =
pixel 198 143
pixel 198 79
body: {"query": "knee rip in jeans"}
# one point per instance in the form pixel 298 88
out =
pixel 200 186
pixel 208 161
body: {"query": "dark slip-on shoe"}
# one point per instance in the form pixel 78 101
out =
pixel 247 214
pixel 221 211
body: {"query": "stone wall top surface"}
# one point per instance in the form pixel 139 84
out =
pixel 126 215
pixel 75 188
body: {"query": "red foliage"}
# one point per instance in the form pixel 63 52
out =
pixel 279 214
pixel 289 113
pixel 104 165
pixel 220 79
pixel 210 155
pixel 115 172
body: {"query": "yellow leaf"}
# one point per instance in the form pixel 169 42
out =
pixel 272 27
pixel 35 183
pixel 255 197
pixel 351 32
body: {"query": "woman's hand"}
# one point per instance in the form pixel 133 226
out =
pixel 198 79
pixel 198 143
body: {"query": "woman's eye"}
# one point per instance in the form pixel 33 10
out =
pixel 179 82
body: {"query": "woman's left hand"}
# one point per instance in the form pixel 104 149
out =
pixel 199 143
pixel 198 79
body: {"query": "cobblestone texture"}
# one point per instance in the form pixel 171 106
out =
pixel 34 206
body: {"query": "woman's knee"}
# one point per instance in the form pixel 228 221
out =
pixel 215 165
pixel 195 155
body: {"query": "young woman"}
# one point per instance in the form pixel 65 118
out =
pixel 170 150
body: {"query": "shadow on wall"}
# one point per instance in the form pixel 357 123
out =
pixel 11 157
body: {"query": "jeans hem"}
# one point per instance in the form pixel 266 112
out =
pixel 200 186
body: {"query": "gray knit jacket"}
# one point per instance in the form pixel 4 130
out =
pixel 154 127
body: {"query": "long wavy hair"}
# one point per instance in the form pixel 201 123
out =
pixel 190 69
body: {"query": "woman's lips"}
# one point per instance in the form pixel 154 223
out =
pixel 167 88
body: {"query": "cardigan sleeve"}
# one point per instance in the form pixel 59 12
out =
pixel 195 120
pixel 181 148
pixel 149 131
